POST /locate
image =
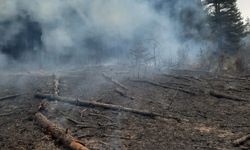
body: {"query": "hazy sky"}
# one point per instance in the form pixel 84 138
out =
pixel 244 6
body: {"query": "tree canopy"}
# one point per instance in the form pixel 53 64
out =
pixel 226 23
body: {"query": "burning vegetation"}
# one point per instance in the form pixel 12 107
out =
pixel 128 74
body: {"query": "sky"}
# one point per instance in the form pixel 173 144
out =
pixel 244 6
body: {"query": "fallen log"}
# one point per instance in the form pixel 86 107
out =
pixel 246 75
pixel 185 77
pixel 241 140
pixel 227 96
pixel 102 116
pixel 74 121
pixel 192 71
pixel 102 105
pixel 59 133
pixel 233 77
pixel 210 92
pixel 117 137
pixel 7 114
pixel 10 97
pixel 175 83
pixel 177 77
pixel 122 93
pixel 95 104
pixel 114 81
pixel 193 77
pixel 165 86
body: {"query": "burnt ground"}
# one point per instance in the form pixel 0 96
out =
pixel 207 122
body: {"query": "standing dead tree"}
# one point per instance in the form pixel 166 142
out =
pixel 153 45
pixel 140 56
pixel 183 59
pixel 144 55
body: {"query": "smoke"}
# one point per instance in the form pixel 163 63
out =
pixel 96 31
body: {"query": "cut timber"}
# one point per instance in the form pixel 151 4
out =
pixel 241 140
pixel 224 95
pixel 114 81
pixel 102 105
pixel 165 86
pixel 59 133
pixel 10 97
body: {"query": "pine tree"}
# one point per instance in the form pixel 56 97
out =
pixel 248 26
pixel 227 26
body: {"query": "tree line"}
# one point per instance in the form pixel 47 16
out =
pixel 228 30
pixel 217 21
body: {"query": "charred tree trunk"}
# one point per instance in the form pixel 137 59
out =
pixel 59 133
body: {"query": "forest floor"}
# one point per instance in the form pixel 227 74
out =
pixel 193 117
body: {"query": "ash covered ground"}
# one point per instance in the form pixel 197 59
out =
pixel 205 121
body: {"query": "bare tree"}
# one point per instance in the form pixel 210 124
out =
pixel 153 44
pixel 140 58
pixel 182 55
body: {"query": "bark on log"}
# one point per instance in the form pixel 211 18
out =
pixel 103 105
pixel 165 86
pixel 59 133
pixel 241 140
pixel 227 96
pixel 114 81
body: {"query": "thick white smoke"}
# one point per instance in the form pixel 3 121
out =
pixel 111 27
